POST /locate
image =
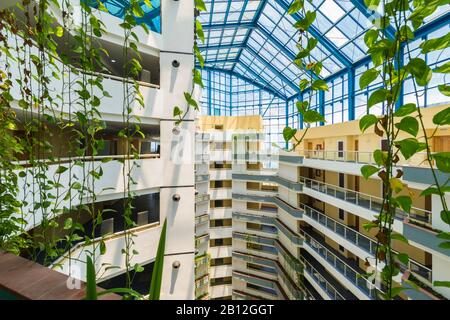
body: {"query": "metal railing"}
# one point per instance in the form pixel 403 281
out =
pixel 364 157
pixel 201 219
pixel 364 200
pixel 201 198
pixel 27 163
pixel 341 229
pixel 341 266
pixel 321 281
pixel 362 241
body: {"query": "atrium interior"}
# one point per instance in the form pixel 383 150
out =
pixel 224 150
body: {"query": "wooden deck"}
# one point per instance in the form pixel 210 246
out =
pixel 28 280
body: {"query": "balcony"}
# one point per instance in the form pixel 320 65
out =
pixel 112 83
pixel 359 157
pixel 317 274
pixel 201 198
pixel 109 186
pixel 358 239
pixel 344 267
pixel 366 201
pixel 145 238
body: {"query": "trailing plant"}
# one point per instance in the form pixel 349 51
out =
pixel 401 125
pixel 197 76
pixel 46 46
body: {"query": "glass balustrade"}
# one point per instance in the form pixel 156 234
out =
pixel 341 266
pixel 322 282
pixel 364 200
pixel 361 240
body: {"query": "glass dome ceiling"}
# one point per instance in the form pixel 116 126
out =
pixel 256 40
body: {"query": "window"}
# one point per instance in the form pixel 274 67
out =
pixel 261 268
pixel 342 180
pixel 341 248
pixel 341 214
pixel 263 289
pixel 220 262
pixel 220 242
pixel 220 281
pixel 340 149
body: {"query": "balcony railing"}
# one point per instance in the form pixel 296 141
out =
pixel 321 281
pixel 201 219
pixel 363 157
pixel 199 198
pixel 341 266
pixel 341 229
pixel 362 241
pixel 65 160
pixel 364 200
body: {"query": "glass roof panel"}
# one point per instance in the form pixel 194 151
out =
pixel 260 42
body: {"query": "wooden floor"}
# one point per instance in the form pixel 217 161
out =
pixel 27 280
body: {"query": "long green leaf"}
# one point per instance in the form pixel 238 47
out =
pixel 91 286
pixel 155 285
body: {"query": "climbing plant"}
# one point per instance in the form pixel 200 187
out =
pixel 402 125
pixel 312 70
pixel 197 77
pixel 51 87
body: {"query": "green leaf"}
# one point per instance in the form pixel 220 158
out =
pixel 199 31
pixel 370 37
pixel 200 5
pixel 405 110
pixel 368 170
pixel 409 125
pixel 442 117
pixel 288 133
pixel 190 100
pixel 445 68
pixel 368 77
pixel 445 216
pixel 155 285
pixel 435 44
pixel 296 6
pixel 399 237
pixel 442 161
pixel 102 247
pixel 319 84
pixel 138 268
pixel 367 121
pixel 59 31
pixel 377 96
pixel 408 147
pixel 198 78
pixel 444 245
pixel 372 4
pixel 403 258
pixel 68 223
pixel 304 23
pixel 441 284
pixel 420 70
pixel 61 169
pixel 404 202
pixel 444 89
pixel 177 111
pixel 312 116
pixel 303 84
pixel 91 285
pixel 444 235
pixel 302 106
pixel 433 190
pixel 380 157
